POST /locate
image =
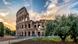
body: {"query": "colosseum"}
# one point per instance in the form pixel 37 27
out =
pixel 27 27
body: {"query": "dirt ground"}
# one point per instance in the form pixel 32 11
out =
pixel 43 42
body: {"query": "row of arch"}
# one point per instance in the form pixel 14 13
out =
pixel 28 25
pixel 33 33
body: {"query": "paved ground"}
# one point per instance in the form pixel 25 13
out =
pixel 43 42
pixel 27 40
pixel 9 41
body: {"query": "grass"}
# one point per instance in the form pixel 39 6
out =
pixel 52 38
pixel 46 40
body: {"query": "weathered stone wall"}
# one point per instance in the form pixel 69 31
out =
pixel 27 27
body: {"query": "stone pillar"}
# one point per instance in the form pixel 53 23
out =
pixel 23 33
pixel 40 33
pixel 27 26
pixel 36 33
pixel 27 33
pixel 30 33
pixel 36 25
pixel 31 26
pixel 16 32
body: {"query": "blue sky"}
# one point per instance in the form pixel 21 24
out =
pixel 8 8
pixel 37 9
pixel 37 5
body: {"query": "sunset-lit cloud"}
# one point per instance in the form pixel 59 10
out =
pixel 4 13
pixel 34 15
pixel 10 26
pixel 37 9
pixel 1 20
pixel 8 23
pixel 54 8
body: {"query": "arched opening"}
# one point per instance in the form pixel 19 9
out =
pixel 34 26
pixel 22 26
pixel 33 33
pixel 28 33
pixel 25 34
pixel 28 25
pixel 25 25
pixel 38 33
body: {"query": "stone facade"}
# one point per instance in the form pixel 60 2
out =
pixel 27 27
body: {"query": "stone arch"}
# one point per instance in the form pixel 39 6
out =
pixel 25 33
pixel 33 33
pixel 38 33
pixel 29 26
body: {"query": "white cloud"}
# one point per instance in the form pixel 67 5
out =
pixel 1 20
pixel 34 15
pixel 4 13
pixel 66 8
pixel 48 15
pixel 27 5
pixel 67 1
pixel 6 2
pixel 53 9
pixel 46 4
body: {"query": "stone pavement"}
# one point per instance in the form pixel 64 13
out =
pixel 15 40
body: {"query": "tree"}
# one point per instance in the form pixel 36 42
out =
pixel 9 32
pixel 50 28
pixel 64 26
pixel 1 29
pixel 13 33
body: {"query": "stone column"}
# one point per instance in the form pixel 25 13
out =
pixel 16 32
pixel 36 25
pixel 30 33
pixel 36 33
pixel 40 33
pixel 23 33
pixel 27 26
pixel 31 26
pixel 27 33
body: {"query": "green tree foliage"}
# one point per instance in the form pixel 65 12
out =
pixel 63 26
pixel 13 33
pixel 9 32
pixel 5 30
pixel 1 29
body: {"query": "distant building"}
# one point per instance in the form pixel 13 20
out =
pixel 27 27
